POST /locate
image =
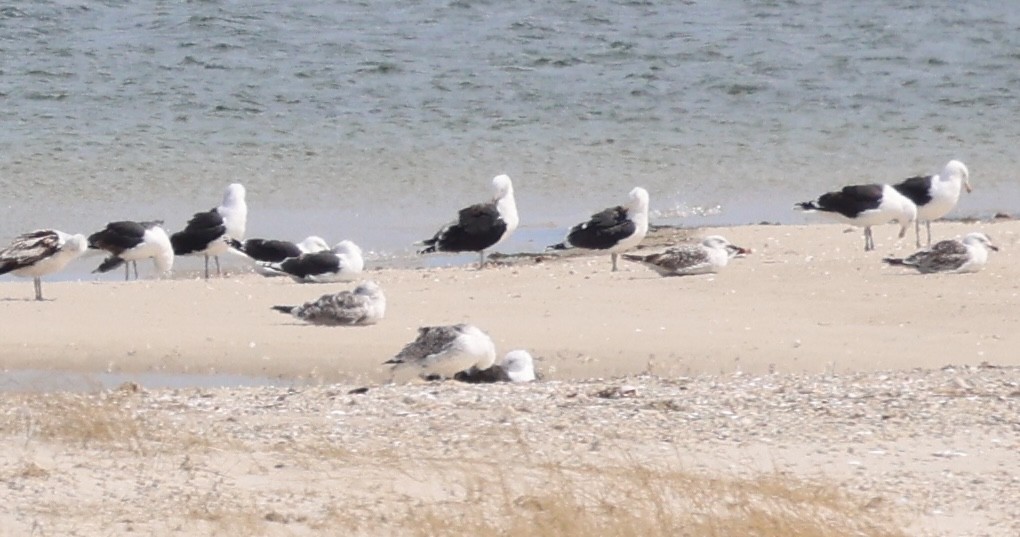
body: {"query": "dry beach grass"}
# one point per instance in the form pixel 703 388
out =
pixel 807 390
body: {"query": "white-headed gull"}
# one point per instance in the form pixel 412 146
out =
pixel 616 229
pixel 935 195
pixel 479 226
pixel 207 232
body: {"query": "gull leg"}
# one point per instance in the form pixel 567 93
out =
pixel 917 232
pixel 134 263
pixel 481 259
pixel 869 241
pixel 927 224
pixel 207 267
pixel 38 287
pixel 217 258
pixel 613 256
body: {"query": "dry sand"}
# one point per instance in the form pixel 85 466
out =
pixel 808 307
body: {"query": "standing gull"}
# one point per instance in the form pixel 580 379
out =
pixel 480 226
pixel 516 366
pixel 131 241
pixel 342 262
pixel 967 255
pixel 444 351
pixel 41 252
pixel 865 206
pixel 206 232
pixel 709 256
pixel 365 305
pixel 616 229
pixel 935 195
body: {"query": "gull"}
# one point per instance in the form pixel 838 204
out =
pixel 365 305
pixel 711 255
pixel 967 255
pixel 616 229
pixel 130 241
pixel 480 226
pixel 865 206
pixel 935 195
pixel 207 232
pixel 445 351
pixel 41 252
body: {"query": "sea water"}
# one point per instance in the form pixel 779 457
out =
pixel 376 121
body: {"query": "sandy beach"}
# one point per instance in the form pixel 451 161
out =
pixel 807 358
pixel 808 299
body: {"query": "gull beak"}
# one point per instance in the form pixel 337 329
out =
pixel 737 250
pixel 993 247
pixel 966 185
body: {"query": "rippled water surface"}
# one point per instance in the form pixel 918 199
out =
pixel 375 121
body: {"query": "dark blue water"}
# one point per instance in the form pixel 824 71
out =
pixel 375 121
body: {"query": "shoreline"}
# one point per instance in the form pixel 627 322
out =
pixel 808 299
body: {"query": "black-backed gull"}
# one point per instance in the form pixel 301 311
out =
pixel 935 195
pixel 865 206
pixel 207 232
pixel 616 229
pixel 365 305
pixel 708 256
pixel 516 366
pixel 966 255
pixel 480 226
pixel 443 351
pixel 342 262
pixel 41 252
pixel 128 241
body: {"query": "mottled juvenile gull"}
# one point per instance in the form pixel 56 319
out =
pixel 516 366
pixel 365 305
pixel 709 256
pixel 935 195
pixel 865 206
pixel 130 241
pixel 444 351
pixel 616 229
pixel 479 226
pixel 967 255
pixel 207 232
pixel 41 252
pixel 342 262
